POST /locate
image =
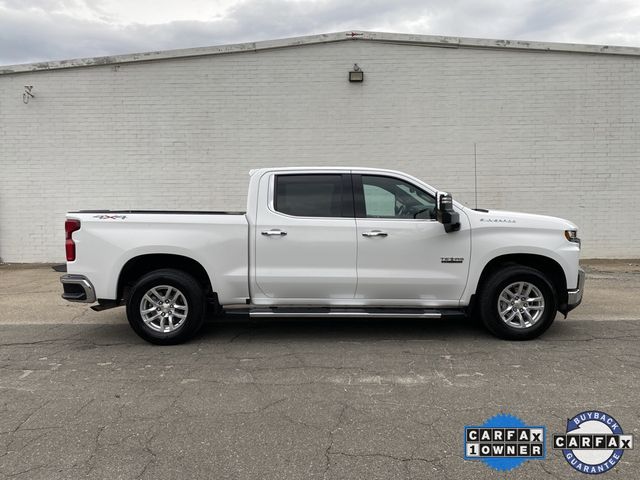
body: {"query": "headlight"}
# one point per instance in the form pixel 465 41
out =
pixel 572 236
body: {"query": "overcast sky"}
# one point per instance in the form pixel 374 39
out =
pixel 33 30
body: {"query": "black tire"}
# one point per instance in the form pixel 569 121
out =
pixel 490 293
pixel 195 300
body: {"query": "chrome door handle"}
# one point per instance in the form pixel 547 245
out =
pixel 375 233
pixel 274 232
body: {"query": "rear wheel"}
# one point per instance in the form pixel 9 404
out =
pixel 166 307
pixel 517 303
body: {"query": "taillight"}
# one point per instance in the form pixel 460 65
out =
pixel 70 226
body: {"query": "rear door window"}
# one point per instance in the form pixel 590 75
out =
pixel 314 195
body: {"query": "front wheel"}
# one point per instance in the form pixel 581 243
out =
pixel 517 303
pixel 166 307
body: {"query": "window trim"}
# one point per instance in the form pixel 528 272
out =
pixel 346 204
pixel 360 206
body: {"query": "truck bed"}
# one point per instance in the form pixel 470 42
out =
pixel 108 239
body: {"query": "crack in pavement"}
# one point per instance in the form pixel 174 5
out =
pixel 47 402
pixel 390 457
pixel 331 432
pixel 153 456
pixel 261 409
pixel 96 445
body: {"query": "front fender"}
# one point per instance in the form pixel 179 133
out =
pixel 521 242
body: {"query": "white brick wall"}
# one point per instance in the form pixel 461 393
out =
pixel 556 133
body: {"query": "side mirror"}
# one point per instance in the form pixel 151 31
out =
pixel 445 213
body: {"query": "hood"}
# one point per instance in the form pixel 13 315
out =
pixel 531 220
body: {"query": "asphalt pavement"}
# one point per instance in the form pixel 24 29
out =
pixel 82 397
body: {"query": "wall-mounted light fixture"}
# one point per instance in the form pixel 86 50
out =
pixel 356 75
pixel 27 95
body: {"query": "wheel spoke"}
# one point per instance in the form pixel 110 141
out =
pixel 155 292
pixel 528 290
pixel 151 319
pixel 150 300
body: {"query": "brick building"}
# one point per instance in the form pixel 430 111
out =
pixel 536 127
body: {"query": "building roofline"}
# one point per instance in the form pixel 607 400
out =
pixel 358 35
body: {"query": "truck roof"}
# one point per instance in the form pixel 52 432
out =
pixel 316 169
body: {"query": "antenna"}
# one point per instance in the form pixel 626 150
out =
pixel 475 171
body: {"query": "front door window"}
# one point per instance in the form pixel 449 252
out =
pixel 387 197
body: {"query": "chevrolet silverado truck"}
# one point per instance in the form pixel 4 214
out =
pixel 319 242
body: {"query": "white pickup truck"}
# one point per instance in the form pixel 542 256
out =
pixel 320 242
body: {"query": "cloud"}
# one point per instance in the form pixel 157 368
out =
pixel 58 29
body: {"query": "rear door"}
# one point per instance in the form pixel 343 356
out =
pixel 405 257
pixel 305 239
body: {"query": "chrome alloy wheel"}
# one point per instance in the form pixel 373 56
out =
pixel 164 308
pixel 521 305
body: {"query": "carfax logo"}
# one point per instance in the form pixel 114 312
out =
pixel 504 442
pixel 593 443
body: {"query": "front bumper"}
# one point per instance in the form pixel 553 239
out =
pixel 574 297
pixel 77 288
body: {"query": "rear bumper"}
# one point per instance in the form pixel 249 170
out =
pixel 77 288
pixel 574 297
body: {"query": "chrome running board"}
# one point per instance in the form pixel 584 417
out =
pixel 323 312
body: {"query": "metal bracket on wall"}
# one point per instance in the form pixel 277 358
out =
pixel 27 95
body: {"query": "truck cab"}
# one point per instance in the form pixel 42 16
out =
pixel 353 238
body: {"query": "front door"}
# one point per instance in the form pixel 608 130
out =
pixel 305 239
pixel 405 257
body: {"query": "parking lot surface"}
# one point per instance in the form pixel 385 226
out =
pixel 82 397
